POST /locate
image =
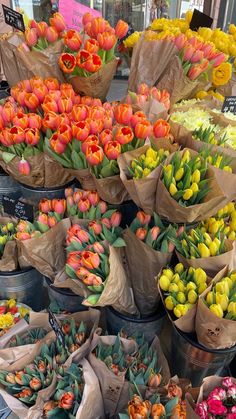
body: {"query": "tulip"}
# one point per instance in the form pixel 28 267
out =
pixel 115 219
pixel 106 40
pixel 123 114
pixel 94 64
pixel 84 204
pixel 161 128
pixel 51 83
pixel 45 205
pixel 143 89
pixel 188 51
pixel 124 135
pixel 155 231
pixel 72 40
pixel 23 235
pixel 218 58
pixel 41 29
pixel 82 57
pixel 31 37
pixel 112 150
pixel 86 100
pixel 25 85
pixel 94 154
pixel 87 18
pixel 90 140
pixel 197 69
pixel 67 91
pixel 82 272
pixel 35 121
pixel 16 134
pixel 43 219
pixel 154 380
pixel 195 43
pixel 138 409
pixel 40 91
pixel 105 136
pixel 21 98
pixel 21 120
pixel 96 112
pixel 59 205
pixel 107 122
pixel 79 113
pixel 51 121
pixel 121 29
pixel 93 198
pixel 95 227
pixel 35 383
pixel 97 247
pixel 197 57
pixel 58 22
pixel 208 49
pixel 32 23
pixel 48 406
pixel 56 145
pixel 65 105
pixel 26 392
pixel 158 410
pixel 143 129
pixel 136 118
pixel 31 101
pixel 77 195
pixel 66 400
pixel 96 125
pixel 67 62
pixel 91 45
pixel 180 41
pixel 173 390
pixel 10 377
pixel 32 136
pixel 92 280
pixel 8 112
pixel 141 233
pixel 49 105
pixel 51 34
pixel 143 218
pixel 98 25
pixel 83 236
pixel 80 130
pixel 64 133
pixel 90 260
pixel 74 260
pixel 106 222
pixel 102 206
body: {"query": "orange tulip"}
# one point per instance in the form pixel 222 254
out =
pixel 141 233
pixel 51 121
pixel 93 198
pixel 179 411
pixel 87 17
pixel 67 91
pixel 51 34
pixel 95 227
pixel 188 52
pixel 143 129
pixel 116 219
pixel 106 40
pixel 66 400
pixel 45 205
pixel 72 40
pixel 161 128
pixel 90 140
pixel 8 112
pixel 59 205
pixel 31 37
pixel 24 167
pixel 67 62
pixel 96 101
pixel 64 133
pixel 107 122
pixel 82 57
pixel 31 101
pixel 91 45
pixel 106 222
pixel 17 135
pixel 139 409
pixel 23 235
pixel 92 279
pixel 98 25
pixel 80 130
pixel 35 120
pixel 121 29
pixel 41 29
pixel 155 379
pixel 124 135
pixel 143 218
pixel 96 112
pixel 56 145
pixel 94 64
pixel 21 120
pixel 15 90
pixel 84 204
pixel 51 83
pixel 32 136
pixel 79 113
pixel 86 100
pixel 143 89
pixel 40 92
pixel 112 150
pixel 58 22
pixel 36 81
pixel 105 136
pixel 96 125
pixel 90 260
pixel 49 105
pixel 123 113
pixel 197 69
pixel 64 105
pixel 158 410
pixel 94 154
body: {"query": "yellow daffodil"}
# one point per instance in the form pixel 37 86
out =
pixel 6 320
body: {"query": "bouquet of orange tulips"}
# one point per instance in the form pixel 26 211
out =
pixel 85 56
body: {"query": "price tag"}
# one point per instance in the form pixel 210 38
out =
pixel 199 20
pixel 229 104
pixel 17 208
pixel 13 18
pixel 56 327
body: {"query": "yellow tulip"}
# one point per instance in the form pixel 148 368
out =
pixel 232 225
pixel 210 298
pixel 179 174
pixel 188 193
pixel 173 287
pixel 213 248
pixel 200 275
pixel 172 189
pixel 202 287
pixel 196 176
pixel 232 308
pixel 175 278
pixel 217 310
pixel 164 282
pixel 169 303
pixel 168 272
pixel 179 268
pixel 191 286
pixel 204 251
pixel 180 297
pixel 192 296
pixel 223 300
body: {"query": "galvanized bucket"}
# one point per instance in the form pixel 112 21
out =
pixel 64 298
pixel 191 360
pixel 26 286
pixel 34 195
pixel 149 326
pixel 8 186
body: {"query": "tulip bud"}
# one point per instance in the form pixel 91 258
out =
pixel 52 221
pixel 51 34
pixel 115 219
pixel 141 233
pixel 106 222
pixel 154 380
pixel 217 310
pixel 24 167
pixel 93 198
pixel 35 383
pixel 143 218
pixel 84 204
pixel 95 227
pixel 102 206
pixel 222 300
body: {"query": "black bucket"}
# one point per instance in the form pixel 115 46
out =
pixel 191 360
pixel 128 211
pixel 65 299
pixel 34 195
pixel 149 326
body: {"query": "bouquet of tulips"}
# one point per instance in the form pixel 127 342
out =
pixel 180 289
pixel 90 63
pixel 28 338
pixel 10 313
pixel 8 250
pixel 85 204
pixel 224 222
pixel 218 305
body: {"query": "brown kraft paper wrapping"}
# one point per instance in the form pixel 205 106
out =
pixel 168 208
pixel 212 331
pixel 9 259
pixel 176 83
pixel 209 383
pixel 111 189
pixel 212 265
pixel 144 264
pixel 117 291
pixel 149 61
pixel 152 109
pixel 8 45
pixel 55 174
pixel 96 85
pixel 85 178
pixel 45 253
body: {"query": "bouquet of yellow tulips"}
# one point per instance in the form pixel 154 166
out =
pixel 217 304
pixel 224 222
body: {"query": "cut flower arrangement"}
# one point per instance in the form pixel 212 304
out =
pixel 10 313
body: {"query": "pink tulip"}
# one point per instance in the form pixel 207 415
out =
pixel 97 247
pixel 218 58
pixel 93 198
pixel 83 236
pixel 24 167
pixel 115 219
pixel 41 29
pixel 141 99
pixel 208 50
pixel 188 52
pixel 102 206
pixel 95 227
pixel 31 37
pixel 51 34
pixel 59 205
pixel 180 41
pixel 106 222
pixel 197 57
pixel 69 192
pixel 105 136
pixel 84 205
pixel 143 89
pixel 155 231
pixel 195 43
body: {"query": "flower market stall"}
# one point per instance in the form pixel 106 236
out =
pixel 118 253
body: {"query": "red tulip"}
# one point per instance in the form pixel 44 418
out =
pixel 94 64
pixel 105 136
pixel 84 204
pixel 32 23
pixel 82 57
pixel 31 101
pixel 124 135
pixel 123 114
pixel 56 145
pixel 141 233
pixel 32 136
pixel 51 121
pixel 80 130
pixel 161 128
pixel 112 150
pixel 72 40
pixel 91 45
pixel 31 37
pixel 21 120
pixel 121 29
pixel 24 167
pixel 96 125
pixel 64 133
pixel 59 205
pixel 90 260
pixel 17 135
pixel 106 40
pixel 95 227
pixel 35 120
pixel 143 129
pixel 58 22
pixel 90 140
pixel 94 155
pixel 115 219
pixel 67 62
pixel 143 218
pixel 79 113
pixel 45 205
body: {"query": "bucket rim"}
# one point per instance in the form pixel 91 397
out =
pixel 160 313
pixel 42 189
pixel 61 290
pixel 17 271
pixel 201 347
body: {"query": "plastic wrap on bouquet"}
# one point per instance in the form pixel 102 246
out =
pixel 98 84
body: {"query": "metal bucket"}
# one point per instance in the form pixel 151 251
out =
pixel 26 286
pixel 34 195
pixel 149 326
pixel 8 186
pixel 128 210
pixel 64 298
pixel 191 360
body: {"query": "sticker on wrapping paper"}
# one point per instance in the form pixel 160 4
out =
pixel 17 208
pixel 5 410
pixel 113 393
pixel 56 327
pixel 229 104
pixel 13 18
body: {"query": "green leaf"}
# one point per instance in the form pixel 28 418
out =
pixel 170 405
pixel 77 161
pixel 70 272
pixel 119 242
